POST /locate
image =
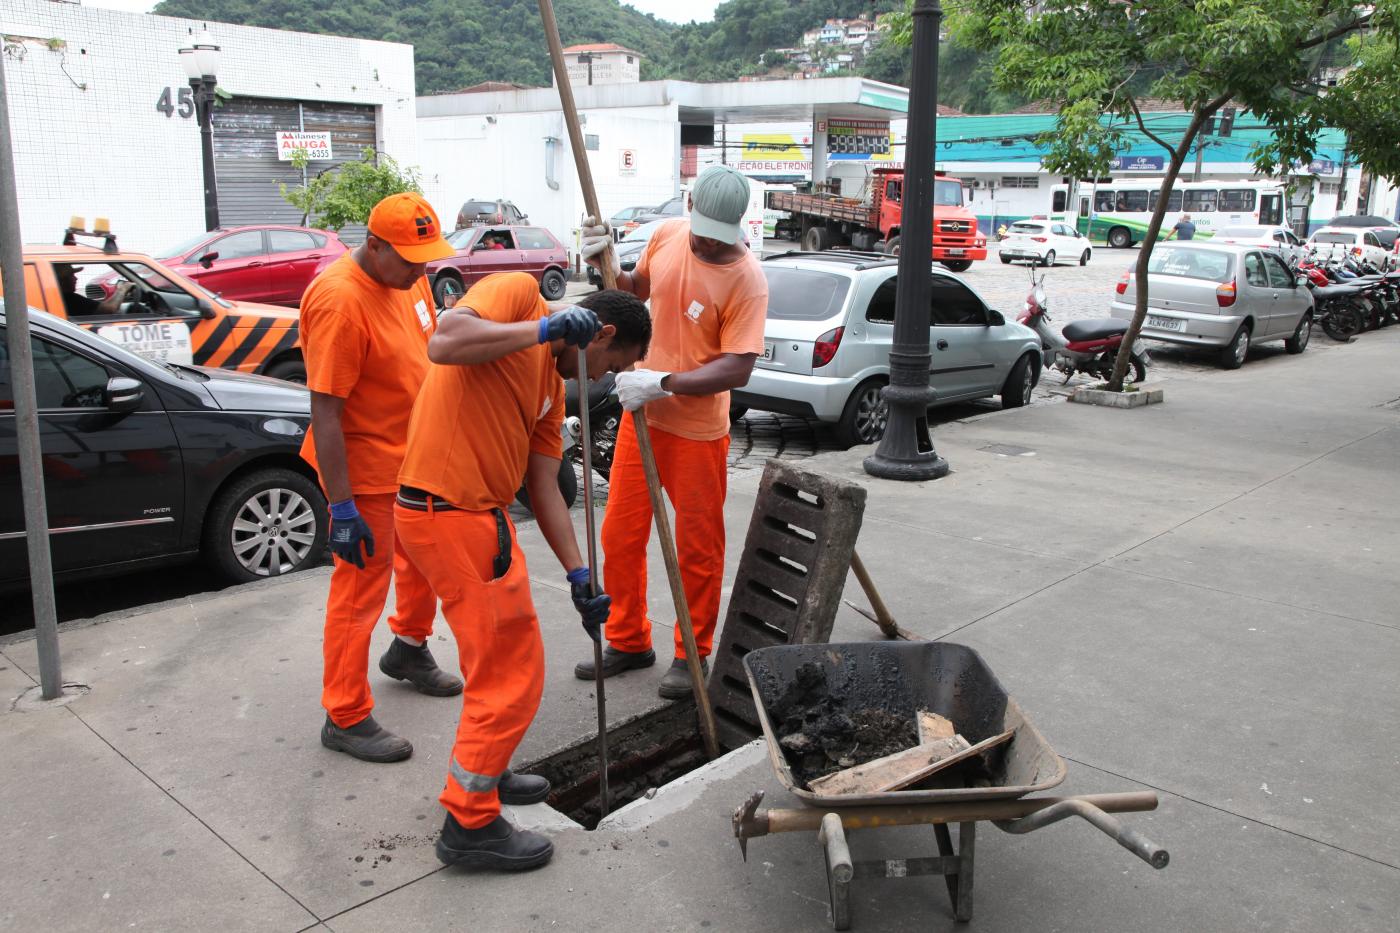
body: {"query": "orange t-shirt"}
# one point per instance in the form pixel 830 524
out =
pixel 474 427
pixel 368 344
pixel 699 311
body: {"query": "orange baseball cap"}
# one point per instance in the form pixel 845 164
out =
pixel 409 224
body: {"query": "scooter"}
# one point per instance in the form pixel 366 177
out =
pixel 1089 347
pixel 605 416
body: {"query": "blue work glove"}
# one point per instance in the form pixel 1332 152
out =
pixel 348 529
pixel 593 610
pixel 577 326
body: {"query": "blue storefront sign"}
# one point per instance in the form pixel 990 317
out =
pixel 1139 163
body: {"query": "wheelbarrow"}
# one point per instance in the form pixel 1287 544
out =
pixel 902 678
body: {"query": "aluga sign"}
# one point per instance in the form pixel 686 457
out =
pixel 317 146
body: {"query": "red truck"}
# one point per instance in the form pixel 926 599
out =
pixel 824 220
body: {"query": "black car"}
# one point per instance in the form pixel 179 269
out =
pixel 629 249
pixel 476 212
pixel 148 462
pixel 666 210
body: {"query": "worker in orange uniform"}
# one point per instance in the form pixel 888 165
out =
pixel 492 410
pixel 365 325
pixel 709 299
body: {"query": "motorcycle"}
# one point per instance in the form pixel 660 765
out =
pixel 1374 298
pixel 604 418
pixel 1089 347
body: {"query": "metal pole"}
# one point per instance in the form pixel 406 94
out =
pixel 906 451
pixel 204 103
pixel 31 464
pixel 586 439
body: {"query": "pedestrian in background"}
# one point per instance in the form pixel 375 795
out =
pixel 1183 229
pixel 709 299
pixel 365 325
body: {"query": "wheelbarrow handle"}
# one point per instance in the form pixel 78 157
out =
pixel 1130 839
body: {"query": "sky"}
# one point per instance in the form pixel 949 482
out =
pixel 680 11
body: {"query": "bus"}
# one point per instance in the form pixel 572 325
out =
pixel 1119 211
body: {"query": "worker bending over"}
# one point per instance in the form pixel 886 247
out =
pixel 491 410
pixel 709 299
pixel 365 325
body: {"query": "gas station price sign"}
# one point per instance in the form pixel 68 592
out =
pixel 860 138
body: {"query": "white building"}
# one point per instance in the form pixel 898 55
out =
pixel 602 63
pixel 103 127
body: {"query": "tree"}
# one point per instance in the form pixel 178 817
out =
pixel 1096 59
pixel 347 193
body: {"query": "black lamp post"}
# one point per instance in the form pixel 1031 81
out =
pixel 201 62
pixel 906 450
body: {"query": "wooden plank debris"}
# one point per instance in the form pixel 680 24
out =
pixel 933 726
pixel 873 775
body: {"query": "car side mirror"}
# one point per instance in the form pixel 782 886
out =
pixel 122 394
pixel 207 259
pixel 995 318
pixel 206 310
pixel 1300 281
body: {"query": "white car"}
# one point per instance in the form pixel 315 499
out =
pixel 1045 242
pixel 1280 239
pixel 1360 243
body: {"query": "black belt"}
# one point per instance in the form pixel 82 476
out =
pixel 420 500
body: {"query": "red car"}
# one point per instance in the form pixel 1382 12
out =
pixel 484 250
pixel 268 264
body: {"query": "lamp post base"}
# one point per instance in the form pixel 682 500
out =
pixel 906 451
pixel 914 469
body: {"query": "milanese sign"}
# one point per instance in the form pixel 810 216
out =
pixel 317 146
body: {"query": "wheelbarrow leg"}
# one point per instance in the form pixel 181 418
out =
pixel 959 882
pixel 838 870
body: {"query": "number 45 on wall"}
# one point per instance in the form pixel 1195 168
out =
pixel 183 103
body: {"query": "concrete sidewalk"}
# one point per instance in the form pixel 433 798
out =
pixel 1199 598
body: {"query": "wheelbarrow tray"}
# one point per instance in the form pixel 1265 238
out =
pixel 902 678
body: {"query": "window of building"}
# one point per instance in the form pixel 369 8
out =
pixel 1020 181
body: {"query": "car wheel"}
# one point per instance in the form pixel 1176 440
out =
pixel 1299 341
pixel 1049 259
pixel 1084 258
pixel 568 486
pixel 1006 260
pixel 270 522
pixel 292 370
pixel 553 285
pixel 1020 383
pixel 1234 353
pixel 447 284
pixel 892 246
pixel 866 413
pixel 958 265
pixel 1120 238
pixel 736 412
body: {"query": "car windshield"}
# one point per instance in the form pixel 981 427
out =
pixel 1347 238
pixel 183 247
pixel 81 334
pixel 479 207
pixel 643 233
pixel 1212 265
pixel 803 295
pixel 462 238
pixel 948 194
pixel 1027 228
pixel 1246 233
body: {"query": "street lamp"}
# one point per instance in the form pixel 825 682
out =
pixel 200 59
pixel 906 451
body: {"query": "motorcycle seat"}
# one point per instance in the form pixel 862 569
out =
pixel 1336 291
pixel 598 391
pixel 1075 331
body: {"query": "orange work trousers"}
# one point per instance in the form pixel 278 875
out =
pixel 695 476
pixel 357 601
pixel 498 645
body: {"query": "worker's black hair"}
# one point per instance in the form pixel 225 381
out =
pixel 624 311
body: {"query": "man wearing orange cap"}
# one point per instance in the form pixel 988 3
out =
pixel 365 325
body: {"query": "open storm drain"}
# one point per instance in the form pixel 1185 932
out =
pixel 644 753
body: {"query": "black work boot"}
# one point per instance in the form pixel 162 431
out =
pixel 366 740
pixel 615 662
pixel 497 845
pixel 416 665
pixel 521 790
pixel 676 684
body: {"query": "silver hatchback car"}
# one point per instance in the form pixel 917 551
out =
pixel 1219 295
pixel 829 332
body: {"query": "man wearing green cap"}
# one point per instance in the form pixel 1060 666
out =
pixel 709 299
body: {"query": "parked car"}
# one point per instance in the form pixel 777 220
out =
pixel 150 463
pixel 625 220
pixel 830 328
pixel 484 250
pixel 271 264
pixel 1220 296
pixel 629 249
pixel 476 212
pixel 161 313
pixel 1280 239
pixel 1359 242
pixel 666 210
pixel 1045 242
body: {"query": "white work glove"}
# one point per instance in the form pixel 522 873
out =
pixel 638 386
pixel 597 238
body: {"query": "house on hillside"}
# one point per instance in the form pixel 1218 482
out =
pixel 602 63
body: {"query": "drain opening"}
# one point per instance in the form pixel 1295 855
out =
pixel 645 752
